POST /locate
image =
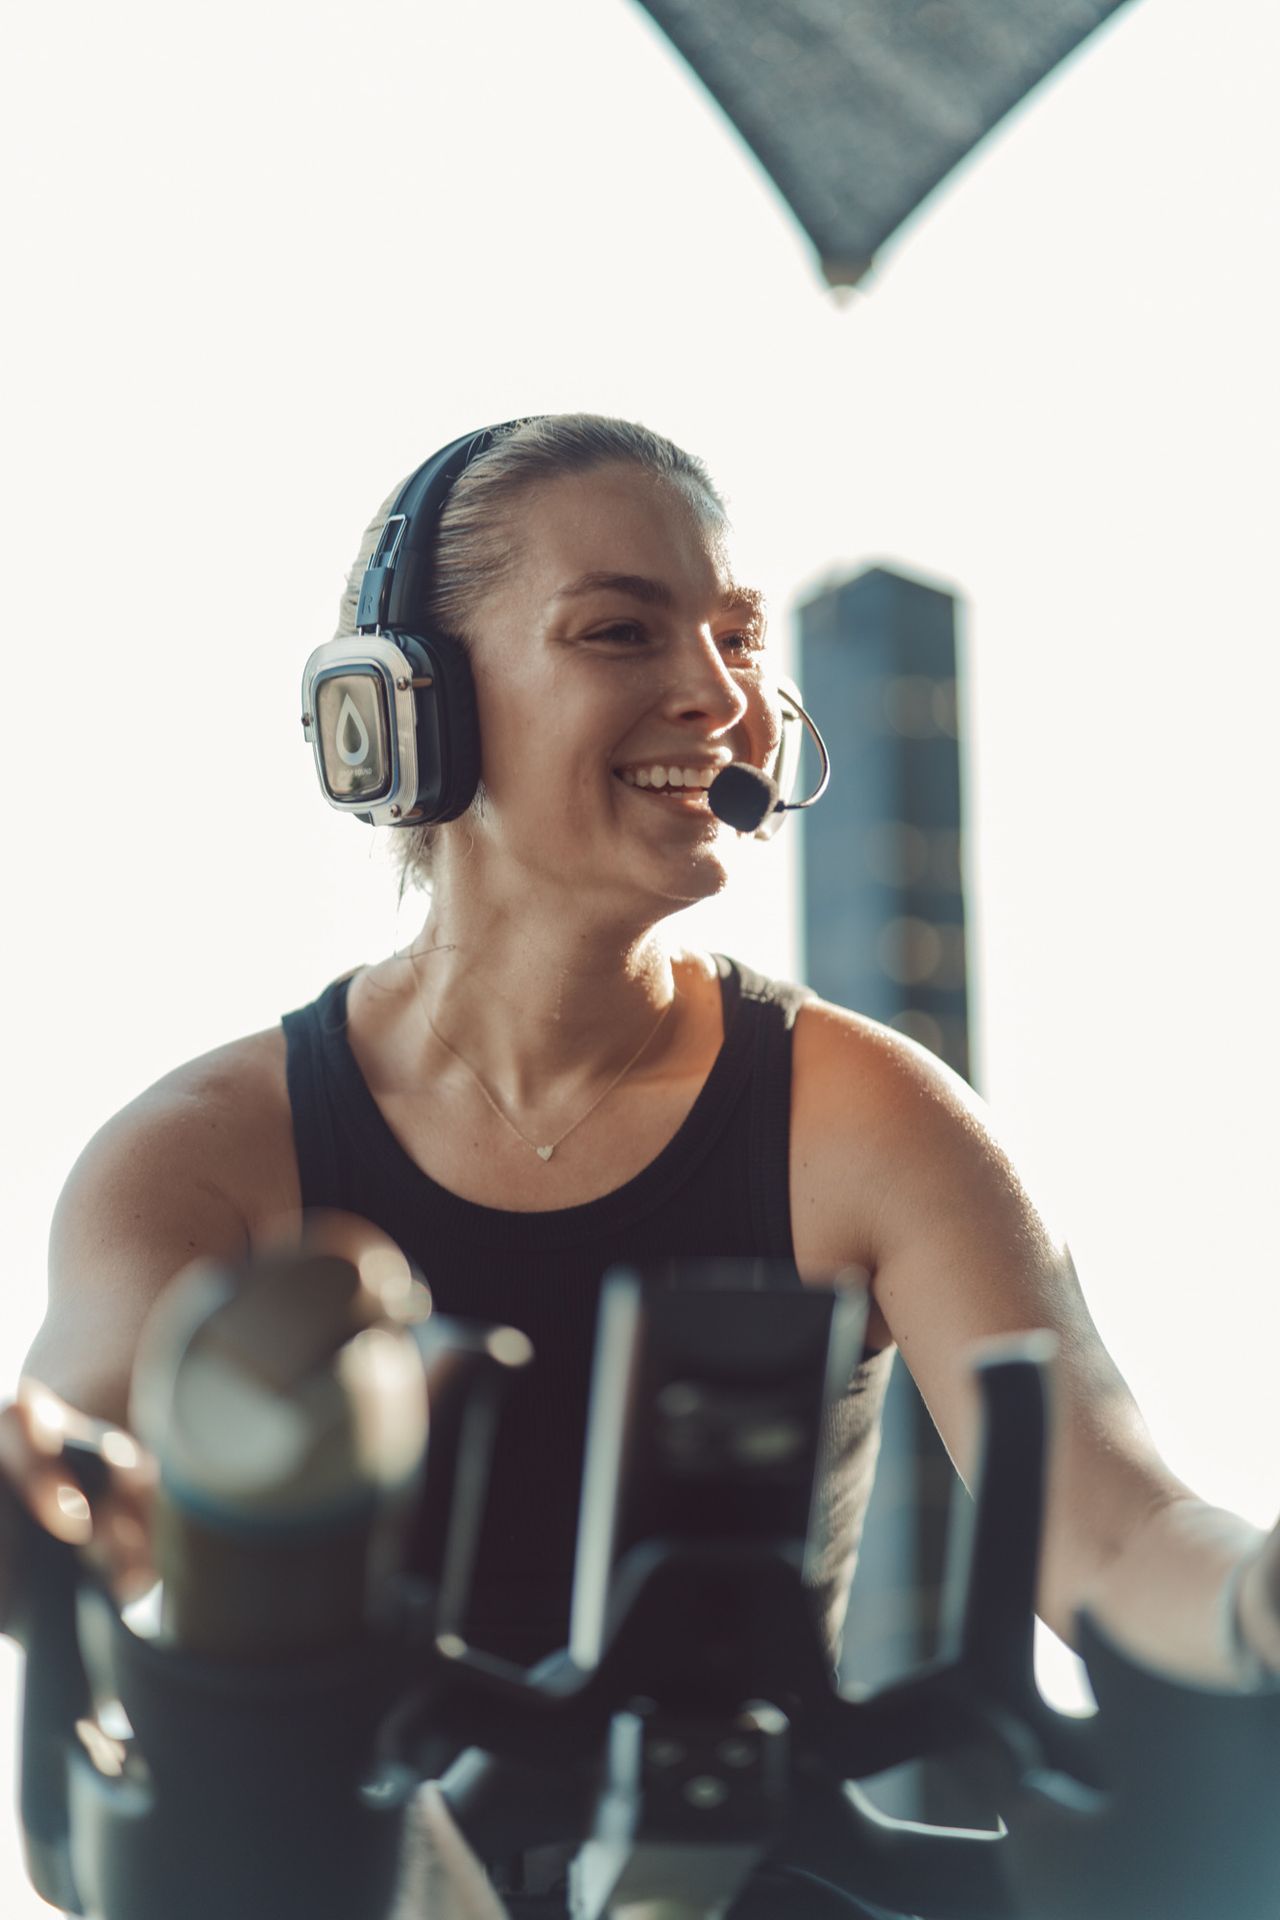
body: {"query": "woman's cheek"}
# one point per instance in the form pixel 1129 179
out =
pixel 767 727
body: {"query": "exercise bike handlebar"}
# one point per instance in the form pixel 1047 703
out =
pixel 157 1779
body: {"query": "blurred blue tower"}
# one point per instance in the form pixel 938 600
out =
pixel 884 933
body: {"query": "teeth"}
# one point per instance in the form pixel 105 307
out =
pixel 674 777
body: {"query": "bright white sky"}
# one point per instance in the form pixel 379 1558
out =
pixel 264 259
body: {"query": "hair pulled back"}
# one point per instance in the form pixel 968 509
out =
pixel 475 544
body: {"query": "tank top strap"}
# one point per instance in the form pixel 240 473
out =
pixel 315 1047
pixel 770 1007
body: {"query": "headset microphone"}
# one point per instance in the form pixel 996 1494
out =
pixel 746 797
pixel 742 796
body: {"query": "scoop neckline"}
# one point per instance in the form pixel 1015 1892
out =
pixel 688 1146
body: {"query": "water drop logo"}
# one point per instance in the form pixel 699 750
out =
pixel 352 739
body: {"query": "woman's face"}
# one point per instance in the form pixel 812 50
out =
pixel 621 642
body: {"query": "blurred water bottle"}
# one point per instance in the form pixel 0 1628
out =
pixel 285 1402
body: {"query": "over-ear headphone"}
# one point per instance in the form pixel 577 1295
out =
pixel 390 710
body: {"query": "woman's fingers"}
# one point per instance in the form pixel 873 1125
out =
pixel 86 1482
pixel 1258 1603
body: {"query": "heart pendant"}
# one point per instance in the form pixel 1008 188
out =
pixel 544 1153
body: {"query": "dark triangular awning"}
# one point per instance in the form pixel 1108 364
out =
pixel 858 108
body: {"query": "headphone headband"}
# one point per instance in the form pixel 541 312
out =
pixel 400 564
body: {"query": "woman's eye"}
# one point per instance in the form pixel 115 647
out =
pixel 630 633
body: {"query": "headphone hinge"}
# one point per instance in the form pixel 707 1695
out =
pixel 376 585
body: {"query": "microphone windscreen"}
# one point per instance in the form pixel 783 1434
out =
pixel 742 796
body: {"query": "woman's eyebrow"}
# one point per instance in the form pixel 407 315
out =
pixel 656 593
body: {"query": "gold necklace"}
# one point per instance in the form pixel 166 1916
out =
pixel 543 1153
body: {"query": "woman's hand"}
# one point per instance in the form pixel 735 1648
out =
pixel 92 1485
pixel 84 1481
pixel 1258 1604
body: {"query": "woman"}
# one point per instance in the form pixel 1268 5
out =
pixel 545 1082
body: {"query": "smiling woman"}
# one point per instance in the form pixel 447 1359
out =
pixel 476 544
pixel 547 1083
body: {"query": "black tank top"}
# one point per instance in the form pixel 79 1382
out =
pixel 720 1187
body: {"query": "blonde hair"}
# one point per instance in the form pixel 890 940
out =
pixel 475 547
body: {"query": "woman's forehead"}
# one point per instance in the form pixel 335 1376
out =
pixel 618 523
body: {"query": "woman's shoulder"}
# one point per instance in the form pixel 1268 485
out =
pixel 866 1096
pixel 220 1121
pixel 238 1074
pixel 885 1139
pixel 845 1058
pixel 196 1166
pixel 832 1040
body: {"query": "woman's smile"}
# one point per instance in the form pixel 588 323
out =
pixel 681 786
pixel 676 798
pixel 670 778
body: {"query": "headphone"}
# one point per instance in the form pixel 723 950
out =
pixel 390 710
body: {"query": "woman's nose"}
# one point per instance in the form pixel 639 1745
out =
pixel 702 685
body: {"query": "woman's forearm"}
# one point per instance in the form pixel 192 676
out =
pixel 1173 1598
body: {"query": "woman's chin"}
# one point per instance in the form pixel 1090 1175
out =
pixel 701 874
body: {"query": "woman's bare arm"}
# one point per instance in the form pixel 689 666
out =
pixel 962 1255
pixel 186 1170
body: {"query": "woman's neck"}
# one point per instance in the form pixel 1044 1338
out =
pixel 541 1014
